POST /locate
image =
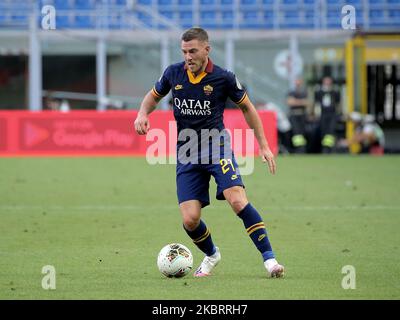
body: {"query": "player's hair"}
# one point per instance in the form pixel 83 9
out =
pixel 195 33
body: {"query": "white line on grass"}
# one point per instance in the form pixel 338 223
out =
pixel 157 207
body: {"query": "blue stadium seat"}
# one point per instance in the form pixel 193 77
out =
pixel 376 14
pixel 144 18
pixel 84 22
pixel 84 4
pixel 269 2
pixel 19 18
pixel 208 19
pixel 63 4
pixel 207 2
pixel 268 19
pixel 309 14
pixel 251 20
pixel 334 14
pixel 268 14
pixel 3 19
pixel 255 24
pixel 291 14
pixel 45 2
pixel 144 2
pixel 357 4
pixel 291 1
pixel 250 15
pixel 213 13
pixel 185 15
pixel 293 25
pixel 164 2
pixel 309 19
pixel 309 4
pixel 167 14
pixel 185 2
pixel 186 18
pixel 248 2
pixel 207 15
pixel 227 14
pixel 334 23
pixel 377 24
pixel 290 19
pixel 335 2
pixel 62 21
pixel 267 24
pixel 394 13
pixel 115 22
pixel 227 18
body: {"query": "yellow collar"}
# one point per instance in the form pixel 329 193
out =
pixel 195 79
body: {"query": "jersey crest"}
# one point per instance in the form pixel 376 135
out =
pixel 208 90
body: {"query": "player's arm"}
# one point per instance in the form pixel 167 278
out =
pixel 149 103
pixel 254 122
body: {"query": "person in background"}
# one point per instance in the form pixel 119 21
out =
pixel 327 100
pixel 368 134
pixel 298 104
pixel 57 104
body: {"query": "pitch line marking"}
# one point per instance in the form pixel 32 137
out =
pixel 140 207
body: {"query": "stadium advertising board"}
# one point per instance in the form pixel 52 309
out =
pixel 92 133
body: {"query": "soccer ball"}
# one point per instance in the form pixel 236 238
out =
pixel 175 260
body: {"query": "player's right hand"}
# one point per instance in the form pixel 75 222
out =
pixel 142 124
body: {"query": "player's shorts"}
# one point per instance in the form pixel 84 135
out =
pixel 192 180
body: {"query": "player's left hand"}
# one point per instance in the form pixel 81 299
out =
pixel 268 157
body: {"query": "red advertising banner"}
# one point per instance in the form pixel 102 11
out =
pixel 3 135
pixel 109 133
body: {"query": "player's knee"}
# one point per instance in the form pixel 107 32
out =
pixel 238 204
pixel 190 222
pixel 191 212
pixel 237 199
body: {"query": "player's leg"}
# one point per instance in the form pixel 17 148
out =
pixel 231 188
pixel 195 227
pixel 201 236
pixel 253 222
pixel 255 228
pixel 192 188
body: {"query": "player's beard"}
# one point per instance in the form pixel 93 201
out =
pixel 196 67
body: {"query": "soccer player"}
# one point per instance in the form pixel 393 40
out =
pixel 199 91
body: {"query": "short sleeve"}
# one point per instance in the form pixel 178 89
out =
pixel 236 91
pixel 163 85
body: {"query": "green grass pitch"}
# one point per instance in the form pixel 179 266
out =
pixel 101 222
